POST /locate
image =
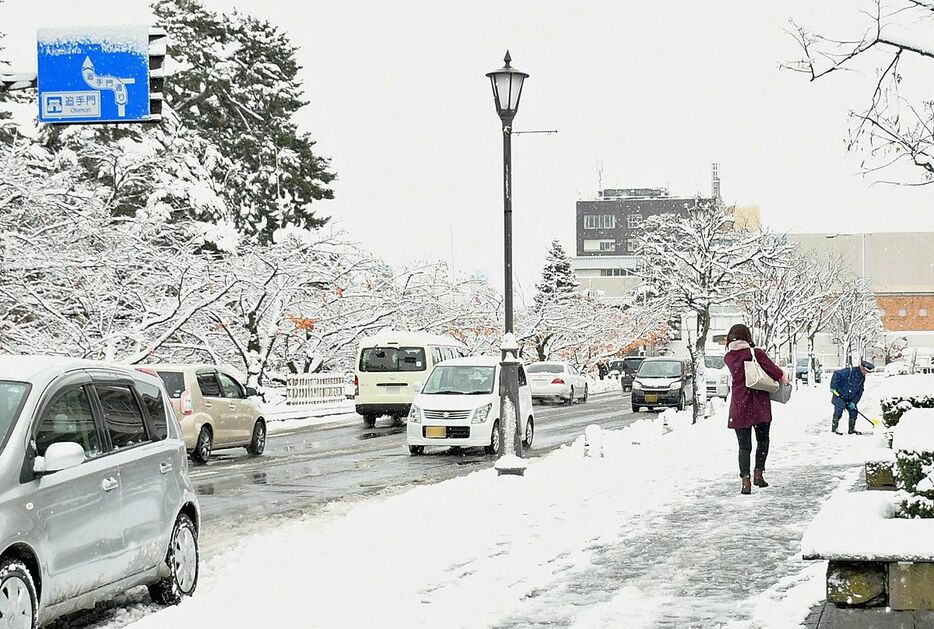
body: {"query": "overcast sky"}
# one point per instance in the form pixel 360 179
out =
pixel 656 91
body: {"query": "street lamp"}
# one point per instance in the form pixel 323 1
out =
pixel 507 88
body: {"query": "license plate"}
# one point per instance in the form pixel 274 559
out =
pixel 651 398
pixel 436 432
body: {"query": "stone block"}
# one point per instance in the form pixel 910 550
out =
pixel 866 618
pixel 911 586
pixel 880 475
pixel 855 582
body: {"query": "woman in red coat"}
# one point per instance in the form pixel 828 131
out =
pixel 750 409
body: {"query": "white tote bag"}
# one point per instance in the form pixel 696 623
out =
pixel 756 378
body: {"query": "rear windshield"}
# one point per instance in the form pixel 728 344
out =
pixel 383 359
pixel 12 397
pixel 660 369
pixel 632 363
pixel 543 368
pixel 460 379
pixel 174 382
pixel 714 362
pixel 802 362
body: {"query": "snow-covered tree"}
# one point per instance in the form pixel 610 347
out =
pixel 77 280
pixel 891 51
pixel 235 82
pixel 558 278
pixel 556 292
pixel 856 325
pixel 696 261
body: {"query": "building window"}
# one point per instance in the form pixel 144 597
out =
pixel 902 312
pixel 599 221
pixel 616 272
pixel 632 245
pixel 634 221
pixel 599 245
pixel 923 312
pixel 881 312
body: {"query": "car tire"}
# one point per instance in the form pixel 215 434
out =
pixel 570 399
pixel 182 558
pixel 258 440
pixel 586 394
pixel 369 421
pixel 203 446
pixel 636 409
pixel 416 450
pixel 495 445
pixel 16 581
pixel 529 434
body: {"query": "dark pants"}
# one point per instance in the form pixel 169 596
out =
pixel 838 407
pixel 744 436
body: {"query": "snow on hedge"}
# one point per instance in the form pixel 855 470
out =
pixel 915 431
pixel 905 386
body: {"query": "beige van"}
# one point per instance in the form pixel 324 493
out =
pixel 215 411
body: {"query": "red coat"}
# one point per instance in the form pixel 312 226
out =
pixel 749 407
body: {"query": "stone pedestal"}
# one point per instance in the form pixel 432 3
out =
pixel 880 475
pixel 911 586
pixel 855 583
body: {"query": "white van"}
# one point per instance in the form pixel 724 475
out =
pixel 459 406
pixel 392 367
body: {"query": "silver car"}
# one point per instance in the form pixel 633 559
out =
pixel 94 489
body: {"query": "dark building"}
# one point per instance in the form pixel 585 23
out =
pixel 608 224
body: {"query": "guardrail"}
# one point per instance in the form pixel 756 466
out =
pixel 314 388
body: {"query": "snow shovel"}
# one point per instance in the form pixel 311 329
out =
pixel 874 422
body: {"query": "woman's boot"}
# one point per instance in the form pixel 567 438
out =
pixel 758 480
pixel 747 487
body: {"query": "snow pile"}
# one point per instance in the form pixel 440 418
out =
pixel 133 38
pixel 874 533
pixel 911 385
pixel 915 431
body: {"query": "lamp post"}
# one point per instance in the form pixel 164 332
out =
pixel 507 88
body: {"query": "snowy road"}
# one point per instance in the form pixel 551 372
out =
pixel 311 466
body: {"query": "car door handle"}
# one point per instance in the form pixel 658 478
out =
pixel 232 406
pixel 109 484
pixel 165 467
pixel 208 405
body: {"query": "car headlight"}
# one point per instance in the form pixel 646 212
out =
pixel 636 385
pixel 415 414
pixel 480 414
pixel 675 386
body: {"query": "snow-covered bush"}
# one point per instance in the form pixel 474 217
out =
pixel 899 394
pixel 894 407
pixel 913 443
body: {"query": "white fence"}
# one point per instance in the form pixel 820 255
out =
pixel 314 388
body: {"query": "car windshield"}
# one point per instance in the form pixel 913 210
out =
pixel 660 369
pixel 617 365
pixel 713 362
pixel 12 397
pixel 803 362
pixel 460 380
pixel 545 368
pixel 383 359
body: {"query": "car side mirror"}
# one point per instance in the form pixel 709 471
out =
pixel 59 456
pixel 251 392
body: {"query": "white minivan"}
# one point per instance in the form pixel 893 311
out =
pixel 392 367
pixel 459 406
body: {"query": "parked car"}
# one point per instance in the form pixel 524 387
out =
pixel 717 375
pixel 557 381
pixel 663 382
pixel 95 495
pixel 391 369
pixel 459 406
pixel 626 370
pixel 214 409
pixel 801 369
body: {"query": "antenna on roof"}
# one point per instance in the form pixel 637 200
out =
pixel 715 182
pixel 599 176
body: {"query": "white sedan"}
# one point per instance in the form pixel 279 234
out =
pixel 557 381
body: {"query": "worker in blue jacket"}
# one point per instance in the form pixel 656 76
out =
pixel 846 386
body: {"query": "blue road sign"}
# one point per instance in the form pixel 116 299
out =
pixel 93 74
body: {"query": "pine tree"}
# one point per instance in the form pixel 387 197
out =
pixel 558 278
pixel 236 83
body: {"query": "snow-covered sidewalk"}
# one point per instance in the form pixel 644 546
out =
pixel 654 534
